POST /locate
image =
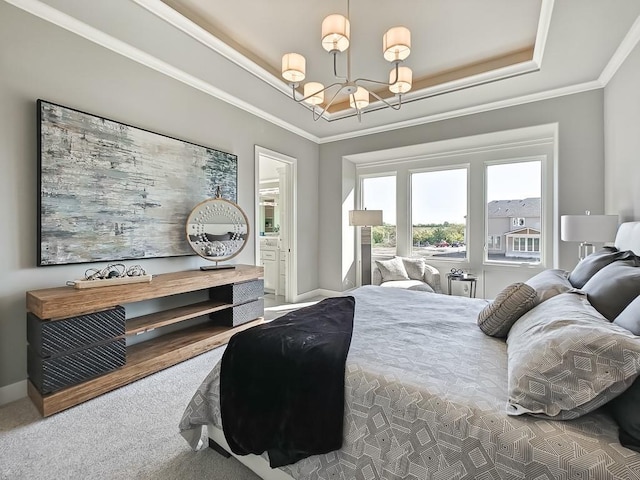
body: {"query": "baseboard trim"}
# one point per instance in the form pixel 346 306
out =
pixel 13 392
pixel 316 293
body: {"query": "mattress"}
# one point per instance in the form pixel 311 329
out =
pixel 426 397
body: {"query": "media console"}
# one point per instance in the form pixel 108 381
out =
pixel 80 341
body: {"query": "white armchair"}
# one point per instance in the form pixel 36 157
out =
pixel 405 272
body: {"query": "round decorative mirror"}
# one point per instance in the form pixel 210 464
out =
pixel 217 229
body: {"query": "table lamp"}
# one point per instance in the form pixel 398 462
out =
pixel 365 219
pixel 588 228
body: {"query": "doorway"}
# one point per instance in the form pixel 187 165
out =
pixel 275 232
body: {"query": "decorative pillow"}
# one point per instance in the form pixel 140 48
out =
pixel 549 283
pixel 614 287
pixel 414 267
pixel 511 303
pixel 565 359
pixel 630 317
pixel 392 269
pixel 592 264
pixel 624 409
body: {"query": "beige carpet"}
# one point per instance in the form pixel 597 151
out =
pixel 130 433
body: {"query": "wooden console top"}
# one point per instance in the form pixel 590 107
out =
pixel 59 302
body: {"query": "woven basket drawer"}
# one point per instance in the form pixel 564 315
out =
pixel 238 292
pixel 239 314
pixel 54 373
pixel 51 337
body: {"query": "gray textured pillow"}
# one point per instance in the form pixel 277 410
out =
pixel 550 283
pixel 629 318
pixel 614 287
pixel 414 267
pixel 592 264
pixel 511 303
pixel 565 359
pixel 392 269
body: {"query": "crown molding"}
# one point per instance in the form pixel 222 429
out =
pixel 71 24
pixel 486 107
pixel 627 45
pixel 50 14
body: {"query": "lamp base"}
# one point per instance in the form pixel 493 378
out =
pixel 365 255
pixel 585 250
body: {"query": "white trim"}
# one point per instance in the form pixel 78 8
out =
pixel 195 31
pixel 487 107
pixel 546 9
pixel 291 191
pixel 45 12
pixel 94 35
pixel 627 45
pixel 13 392
pixel 316 293
pixel 484 142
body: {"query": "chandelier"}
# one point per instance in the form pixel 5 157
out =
pixel 336 30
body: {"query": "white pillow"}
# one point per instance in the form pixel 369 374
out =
pixel 414 267
pixel 392 269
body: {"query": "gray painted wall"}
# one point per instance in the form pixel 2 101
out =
pixel 622 140
pixel 40 60
pixel 580 165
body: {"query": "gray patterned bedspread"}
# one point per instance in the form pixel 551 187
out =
pixel 426 394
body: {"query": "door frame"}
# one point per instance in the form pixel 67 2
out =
pixel 291 290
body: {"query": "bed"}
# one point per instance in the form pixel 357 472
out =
pixel 426 397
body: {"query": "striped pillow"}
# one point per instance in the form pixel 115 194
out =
pixel 497 318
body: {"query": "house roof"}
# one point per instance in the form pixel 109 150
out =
pixel 526 207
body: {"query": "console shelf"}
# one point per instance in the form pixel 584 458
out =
pixel 85 330
pixel 147 323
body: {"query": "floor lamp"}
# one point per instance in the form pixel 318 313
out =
pixel 586 229
pixel 365 219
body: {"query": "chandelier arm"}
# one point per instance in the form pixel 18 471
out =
pixel 298 100
pixel 395 107
pixel 315 118
pixel 388 84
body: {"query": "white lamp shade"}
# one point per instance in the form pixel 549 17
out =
pixel 315 92
pixel 396 44
pixel 359 99
pixel 365 218
pixel 293 67
pixel 404 80
pixel 588 228
pixel 336 31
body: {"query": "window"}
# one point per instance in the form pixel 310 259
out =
pixel 494 242
pixel 513 210
pixel 439 213
pixel 379 193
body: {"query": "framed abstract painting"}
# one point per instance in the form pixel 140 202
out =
pixel 108 191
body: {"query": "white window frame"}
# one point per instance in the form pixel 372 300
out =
pixel 443 168
pixel 360 201
pixel 546 212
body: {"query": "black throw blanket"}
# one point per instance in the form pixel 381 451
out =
pixel 282 383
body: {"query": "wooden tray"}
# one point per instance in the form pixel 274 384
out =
pixel 108 282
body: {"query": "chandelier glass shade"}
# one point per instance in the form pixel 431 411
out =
pixel 335 38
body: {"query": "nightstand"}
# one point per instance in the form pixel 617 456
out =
pixel 451 277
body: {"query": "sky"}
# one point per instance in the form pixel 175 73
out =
pixel 439 196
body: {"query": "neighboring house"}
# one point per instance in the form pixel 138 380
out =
pixel 514 228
